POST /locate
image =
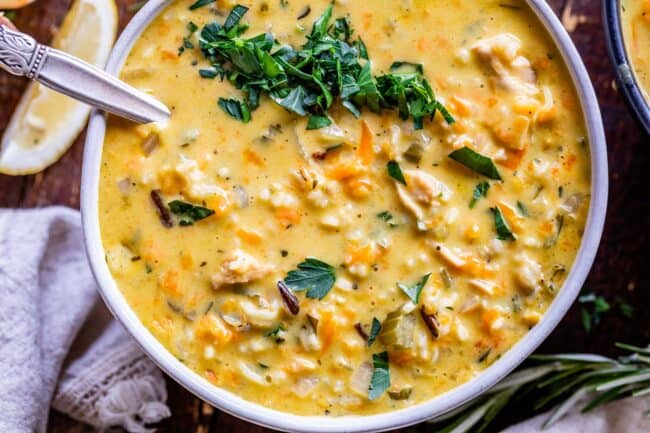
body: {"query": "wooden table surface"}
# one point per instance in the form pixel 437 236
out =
pixel 622 268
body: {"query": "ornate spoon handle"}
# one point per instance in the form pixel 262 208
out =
pixel 21 55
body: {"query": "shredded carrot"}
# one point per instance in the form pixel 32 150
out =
pixel 365 151
pixel 252 157
pixel 511 215
pixel 356 253
pixel 168 55
pixel 345 169
pixel 326 329
pixel 358 187
pixel 169 283
pixel 570 161
pixel 489 316
pixel 186 260
pixel 460 106
pixel 401 357
pixel 546 228
pixel 513 158
pixel 287 216
pixel 476 266
pixel 249 236
pixel 211 328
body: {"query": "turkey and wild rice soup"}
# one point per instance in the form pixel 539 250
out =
pixel 635 19
pixel 355 206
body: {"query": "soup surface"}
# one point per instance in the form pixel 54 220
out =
pixel 365 264
pixel 635 18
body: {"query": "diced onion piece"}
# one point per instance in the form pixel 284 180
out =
pixel 360 380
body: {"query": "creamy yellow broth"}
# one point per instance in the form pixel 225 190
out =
pixel 635 18
pixel 209 291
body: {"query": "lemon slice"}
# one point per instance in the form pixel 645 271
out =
pixel 14 4
pixel 46 123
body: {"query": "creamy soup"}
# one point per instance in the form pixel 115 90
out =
pixel 635 18
pixel 349 254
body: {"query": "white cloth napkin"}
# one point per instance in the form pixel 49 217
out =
pixel 624 416
pixel 58 344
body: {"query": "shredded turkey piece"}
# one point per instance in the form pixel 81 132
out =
pixel 239 268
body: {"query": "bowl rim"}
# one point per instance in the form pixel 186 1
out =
pixel 623 65
pixel 258 414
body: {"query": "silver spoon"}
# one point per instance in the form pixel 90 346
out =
pixel 21 55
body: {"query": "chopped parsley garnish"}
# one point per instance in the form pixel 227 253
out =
pixel 503 231
pixel 414 292
pixel 209 73
pixel 594 307
pixel 523 210
pixel 385 215
pixel 307 80
pixel 380 380
pixel 476 162
pixel 395 171
pixel 236 109
pixel 388 218
pixel 314 276
pixel 276 334
pixel 188 213
pixel 480 190
pixel 187 40
pixel 317 122
pixel 375 328
pixel 234 17
pixel 200 4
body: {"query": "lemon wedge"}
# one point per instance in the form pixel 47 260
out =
pixel 14 4
pixel 46 123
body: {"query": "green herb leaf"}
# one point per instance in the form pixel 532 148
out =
pixel 523 210
pixel 317 122
pixel 385 215
pixel 307 80
pixel 208 73
pixel 293 101
pixel 276 334
pixel 480 190
pixel 236 109
pixel 380 380
pixel 188 213
pixel 503 231
pixel 234 17
pixel 556 382
pixel 415 67
pixel 312 275
pixel 322 23
pixel 594 307
pixel 200 4
pixel 187 41
pixel 476 162
pixel 414 292
pixel 395 171
pixel 375 328
pixel 363 51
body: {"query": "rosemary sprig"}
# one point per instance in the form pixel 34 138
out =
pixel 559 382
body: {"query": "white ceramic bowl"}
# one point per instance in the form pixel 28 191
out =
pixel 437 406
